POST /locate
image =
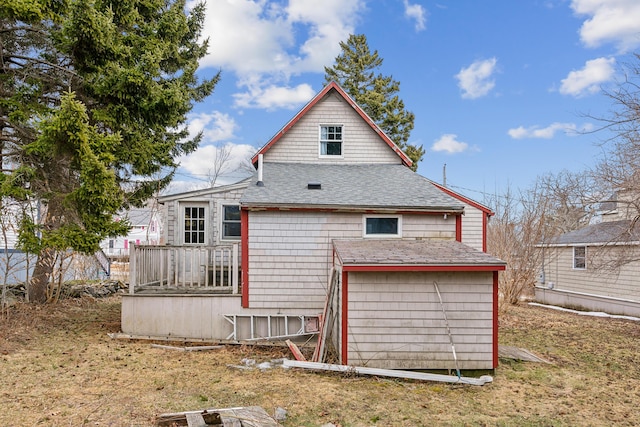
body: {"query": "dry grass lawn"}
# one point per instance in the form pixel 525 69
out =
pixel 58 367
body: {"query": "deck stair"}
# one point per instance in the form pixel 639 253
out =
pixel 254 327
pixel 103 260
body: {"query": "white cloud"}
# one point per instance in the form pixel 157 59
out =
pixel 265 42
pixel 215 126
pixel 272 97
pixel 416 12
pixel 328 22
pixel 449 143
pixel 570 129
pixel 588 79
pixel 610 21
pixel 475 80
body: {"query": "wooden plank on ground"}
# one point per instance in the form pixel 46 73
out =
pixel 515 353
pixel 193 348
pixel 389 373
pixel 195 419
pixel 295 350
pixel 250 416
pixel 231 422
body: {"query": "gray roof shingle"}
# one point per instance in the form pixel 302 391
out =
pixel 381 186
pixel 411 252
pixel 605 232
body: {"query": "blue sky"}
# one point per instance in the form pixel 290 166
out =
pixel 501 89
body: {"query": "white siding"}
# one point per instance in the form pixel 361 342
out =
pixel 395 320
pixel 10 221
pixel 624 283
pixel 472 223
pixel 361 144
pixel 290 253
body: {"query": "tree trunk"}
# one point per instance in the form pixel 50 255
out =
pixel 45 264
pixel 42 275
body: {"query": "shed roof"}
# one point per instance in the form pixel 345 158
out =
pixel 623 231
pixel 406 253
pixel 355 186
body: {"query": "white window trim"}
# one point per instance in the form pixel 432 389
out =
pixel 381 236
pixel 330 156
pixel 221 204
pixel 573 259
pixel 207 220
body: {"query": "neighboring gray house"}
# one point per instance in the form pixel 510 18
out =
pixel 14 264
pixel 335 227
pixel 595 268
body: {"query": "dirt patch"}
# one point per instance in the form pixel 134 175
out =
pixel 59 367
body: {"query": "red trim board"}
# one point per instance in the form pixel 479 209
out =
pixel 459 228
pixel 495 319
pixel 423 267
pixel 464 199
pixel 345 318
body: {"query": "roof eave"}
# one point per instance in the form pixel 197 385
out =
pixel 570 244
pixel 440 210
pixel 346 266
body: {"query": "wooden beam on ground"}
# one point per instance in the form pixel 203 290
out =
pixel 422 376
pixel 295 350
pixel 195 419
pixel 250 416
pixel 515 353
pixel 194 348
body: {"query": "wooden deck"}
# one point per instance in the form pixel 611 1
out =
pixel 185 269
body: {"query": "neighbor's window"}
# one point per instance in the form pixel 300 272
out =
pixel 383 226
pixel 580 257
pixel 230 222
pixel 331 140
pixel 194 225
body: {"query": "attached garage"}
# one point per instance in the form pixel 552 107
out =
pixel 405 304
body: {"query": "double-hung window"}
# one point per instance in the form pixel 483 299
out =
pixel 382 226
pixel 331 140
pixel 194 225
pixel 230 215
pixel 579 257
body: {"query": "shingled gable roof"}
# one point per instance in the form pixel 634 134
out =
pixel 333 86
pixel 604 233
pixel 379 187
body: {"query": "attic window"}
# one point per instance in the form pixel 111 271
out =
pixel 382 226
pixel 314 186
pixel 331 140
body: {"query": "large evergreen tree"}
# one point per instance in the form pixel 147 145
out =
pixel 355 70
pixel 93 99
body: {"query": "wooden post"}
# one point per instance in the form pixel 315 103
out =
pixel 234 269
pixel 132 270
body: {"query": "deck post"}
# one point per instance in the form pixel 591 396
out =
pixel 234 269
pixel 132 270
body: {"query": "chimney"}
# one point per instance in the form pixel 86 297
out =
pixel 260 167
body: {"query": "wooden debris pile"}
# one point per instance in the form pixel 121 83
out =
pixel 250 416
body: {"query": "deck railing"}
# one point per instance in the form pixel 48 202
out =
pixel 188 269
